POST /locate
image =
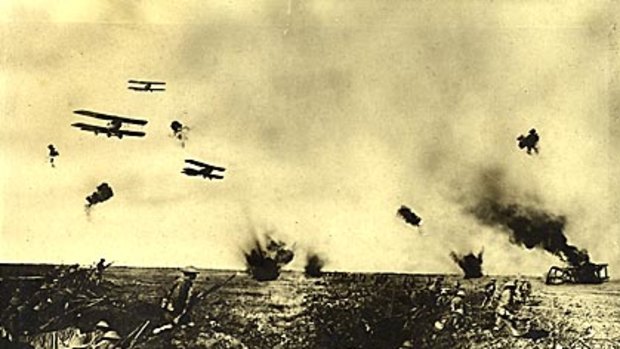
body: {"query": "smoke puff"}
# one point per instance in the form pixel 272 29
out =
pixel 470 264
pixel 265 264
pixel 314 264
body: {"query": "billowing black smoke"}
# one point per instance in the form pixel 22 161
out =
pixel 314 265
pixel 104 192
pixel 530 227
pixel 470 263
pixel 265 264
pixel 409 216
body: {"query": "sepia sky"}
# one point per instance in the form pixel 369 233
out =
pixel 328 116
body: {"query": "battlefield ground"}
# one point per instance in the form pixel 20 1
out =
pixel 336 310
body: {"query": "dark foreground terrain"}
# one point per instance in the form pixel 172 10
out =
pixel 334 311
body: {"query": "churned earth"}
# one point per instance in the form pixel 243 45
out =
pixel 349 310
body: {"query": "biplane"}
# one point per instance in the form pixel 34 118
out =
pixel 206 170
pixel 149 86
pixel 113 128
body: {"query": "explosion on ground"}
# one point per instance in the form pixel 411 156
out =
pixel 337 310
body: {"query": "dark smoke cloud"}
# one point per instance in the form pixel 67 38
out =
pixel 471 264
pixel 314 265
pixel 530 227
pixel 104 192
pixel 265 264
pixel 526 225
pixel 409 216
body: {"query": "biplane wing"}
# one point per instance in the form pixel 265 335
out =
pixel 202 164
pixel 146 82
pixel 91 128
pixel 102 116
pixel 130 133
pixel 191 171
pixel 145 88
pixel 204 172
pixel 105 130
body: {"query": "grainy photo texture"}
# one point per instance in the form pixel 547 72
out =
pixel 309 174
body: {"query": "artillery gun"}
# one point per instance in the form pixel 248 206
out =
pixel 588 273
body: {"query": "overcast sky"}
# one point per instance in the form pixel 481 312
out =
pixel 328 116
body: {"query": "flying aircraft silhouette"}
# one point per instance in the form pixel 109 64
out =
pixel 147 86
pixel 113 128
pixel 206 170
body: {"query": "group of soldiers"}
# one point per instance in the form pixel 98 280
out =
pixel 102 336
pixel 178 301
pixel 450 307
pixel 31 301
pixel 26 315
pixel 506 301
pixel 512 296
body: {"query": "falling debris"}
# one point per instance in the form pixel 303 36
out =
pixel 314 264
pixel 264 264
pixel 53 154
pixel 530 141
pixel 409 216
pixel 104 192
pixel 179 131
pixel 470 263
